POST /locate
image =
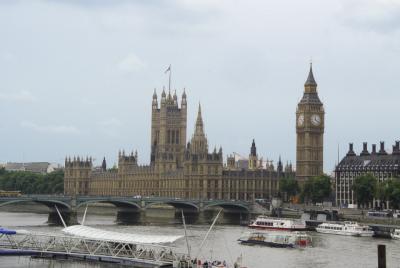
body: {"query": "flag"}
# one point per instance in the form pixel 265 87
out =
pixel 168 70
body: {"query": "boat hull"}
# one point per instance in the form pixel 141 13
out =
pixel 265 243
pixel 277 228
pixel 396 236
pixel 364 234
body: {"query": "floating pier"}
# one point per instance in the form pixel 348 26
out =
pixel 65 247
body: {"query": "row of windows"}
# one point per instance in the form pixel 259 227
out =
pixel 331 228
pixel 172 136
pixel 356 174
pixel 200 169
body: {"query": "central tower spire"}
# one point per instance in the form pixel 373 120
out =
pixel 199 144
pixel 199 122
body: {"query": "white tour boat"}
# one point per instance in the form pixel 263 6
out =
pixel 270 223
pixel 395 234
pixel 345 228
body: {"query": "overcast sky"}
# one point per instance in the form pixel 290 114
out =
pixel 77 77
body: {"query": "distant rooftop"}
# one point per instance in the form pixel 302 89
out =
pixel 35 167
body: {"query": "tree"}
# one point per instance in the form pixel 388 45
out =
pixel 392 192
pixel 32 183
pixel 289 186
pixel 365 188
pixel 317 189
pixel 381 191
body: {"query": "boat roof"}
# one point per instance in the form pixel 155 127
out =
pixel 344 223
pixel 277 219
pixel 7 231
pixel 99 234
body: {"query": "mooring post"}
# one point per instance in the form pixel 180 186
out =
pixel 381 256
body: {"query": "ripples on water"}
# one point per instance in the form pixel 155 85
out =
pixel 328 251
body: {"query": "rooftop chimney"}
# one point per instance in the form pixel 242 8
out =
pixel 373 149
pixel 396 148
pixel 365 149
pixel 382 150
pixel 351 151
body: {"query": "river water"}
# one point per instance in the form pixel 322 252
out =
pixel 327 251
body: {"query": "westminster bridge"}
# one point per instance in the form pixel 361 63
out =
pixel 133 210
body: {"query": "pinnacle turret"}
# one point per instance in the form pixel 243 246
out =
pixel 199 122
pixel 104 164
pixel 155 102
pixel 169 95
pixel 199 143
pixel 175 97
pixel 253 149
pixel 183 100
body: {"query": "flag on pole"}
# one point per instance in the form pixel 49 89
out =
pixel 168 70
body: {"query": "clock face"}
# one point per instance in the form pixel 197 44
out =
pixel 315 120
pixel 300 120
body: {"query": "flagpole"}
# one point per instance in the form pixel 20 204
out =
pixel 169 84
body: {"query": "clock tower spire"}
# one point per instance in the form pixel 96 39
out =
pixel 310 121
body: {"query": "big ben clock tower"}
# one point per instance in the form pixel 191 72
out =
pixel 310 132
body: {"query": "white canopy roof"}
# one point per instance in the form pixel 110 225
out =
pixel 98 234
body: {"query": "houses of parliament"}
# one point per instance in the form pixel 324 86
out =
pixel 182 168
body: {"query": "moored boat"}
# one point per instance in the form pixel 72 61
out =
pixel 345 228
pixel 278 239
pixel 395 234
pixel 270 223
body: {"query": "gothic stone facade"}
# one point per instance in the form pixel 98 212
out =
pixel 382 165
pixel 310 124
pixel 177 169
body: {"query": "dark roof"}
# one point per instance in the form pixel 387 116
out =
pixel 310 79
pixel 370 162
pixel 310 98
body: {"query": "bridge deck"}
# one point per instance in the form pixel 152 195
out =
pixel 69 202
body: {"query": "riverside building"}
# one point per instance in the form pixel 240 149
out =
pixel 381 164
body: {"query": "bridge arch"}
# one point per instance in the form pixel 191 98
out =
pixel 49 203
pixel 229 206
pixel 116 203
pixel 176 204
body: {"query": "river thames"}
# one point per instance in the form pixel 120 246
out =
pixel 327 251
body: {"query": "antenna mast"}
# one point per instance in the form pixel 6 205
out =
pixel 186 237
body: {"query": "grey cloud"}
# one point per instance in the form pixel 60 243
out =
pixel 378 16
pixel 246 62
pixel 22 96
pixel 50 129
pixel 111 122
pixel 131 63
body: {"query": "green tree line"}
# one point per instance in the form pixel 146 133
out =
pixel 367 187
pixel 32 183
pixel 316 189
